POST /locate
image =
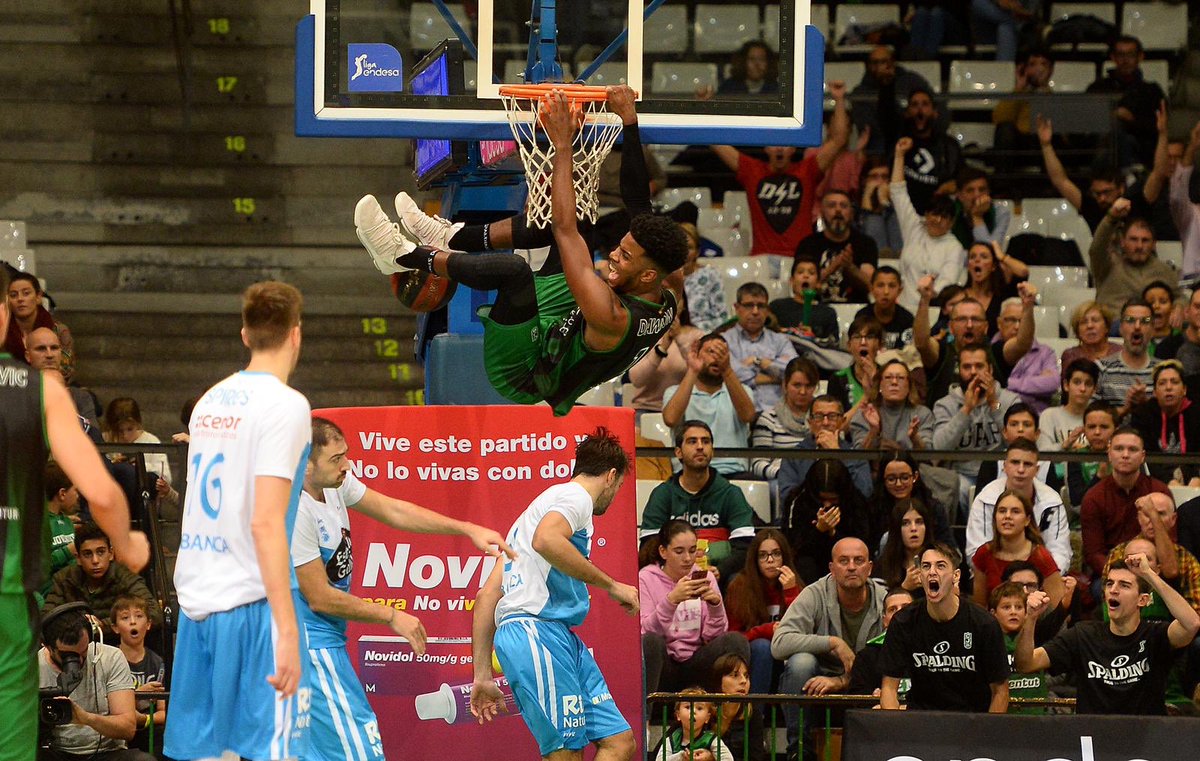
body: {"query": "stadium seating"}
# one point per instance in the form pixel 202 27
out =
pixel 1072 76
pixel 977 135
pixel 1171 252
pixel 426 27
pixel 725 28
pixel 610 73
pixel 653 428
pixel 666 31
pixel 730 240
pixel 675 78
pixel 758 494
pixel 672 197
pixel 1183 494
pixel 1046 321
pixel 1160 26
pixel 980 78
pixel 849 15
pixel 644 487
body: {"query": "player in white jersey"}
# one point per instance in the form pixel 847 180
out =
pixel 236 682
pixel 528 606
pixel 343 724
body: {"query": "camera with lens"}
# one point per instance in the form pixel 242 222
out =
pixel 54 703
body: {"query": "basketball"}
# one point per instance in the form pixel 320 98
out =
pixel 422 291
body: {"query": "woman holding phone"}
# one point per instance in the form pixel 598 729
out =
pixel 684 627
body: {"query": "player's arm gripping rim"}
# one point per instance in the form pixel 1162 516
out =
pixel 606 316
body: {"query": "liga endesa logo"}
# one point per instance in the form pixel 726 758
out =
pixel 374 67
pixel 1086 753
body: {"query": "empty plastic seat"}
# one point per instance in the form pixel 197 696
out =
pixel 731 241
pixel 672 197
pixel 1045 321
pixel 666 31
pixel 845 316
pixel 1059 345
pixel 715 219
pixel 1072 76
pixel 724 28
pixel 758 494
pixel 426 27
pixel 609 73
pixel 980 78
pixel 977 134
pixel 1183 494
pixel 931 70
pixel 1045 277
pixel 1171 252
pixel 1103 11
pixel 1157 70
pixel 850 72
pixel 674 78
pixel 1160 26
pixel 652 427
pixel 1043 209
pixel 644 487
pixel 603 395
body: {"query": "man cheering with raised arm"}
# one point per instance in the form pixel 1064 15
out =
pixel 528 607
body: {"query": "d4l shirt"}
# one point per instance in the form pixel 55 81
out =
pixel 780 204
pixel 1116 674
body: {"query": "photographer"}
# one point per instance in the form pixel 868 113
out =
pixel 91 678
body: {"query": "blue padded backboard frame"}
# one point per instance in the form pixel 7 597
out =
pixel 460 125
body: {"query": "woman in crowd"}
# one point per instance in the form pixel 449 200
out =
pixel 25 306
pixel 992 277
pixel 785 424
pixel 1090 323
pixel 1015 536
pixel 900 479
pixel 910 532
pixel 892 417
pixel 1170 423
pixel 754 71
pixel 706 308
pixel 758 596
pixel 684 628
pixel 825 508
pixel 857 380
pixel 738 725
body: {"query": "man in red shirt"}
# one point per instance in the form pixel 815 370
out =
pixel 1108 515
pixel 782 193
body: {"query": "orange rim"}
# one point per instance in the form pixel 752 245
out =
pixel 574 93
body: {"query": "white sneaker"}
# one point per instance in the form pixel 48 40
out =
pixel 380 236
pixel 429 230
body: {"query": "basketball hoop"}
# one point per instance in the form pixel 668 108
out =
pixel 591 143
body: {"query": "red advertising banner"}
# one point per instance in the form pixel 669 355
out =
pixel 485 465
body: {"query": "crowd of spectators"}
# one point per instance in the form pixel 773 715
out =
pixel 997 542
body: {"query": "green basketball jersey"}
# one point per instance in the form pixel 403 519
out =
pixel 24 528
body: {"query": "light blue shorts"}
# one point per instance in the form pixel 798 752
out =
pixel 343 725
pixel 220 698
pixel 562 695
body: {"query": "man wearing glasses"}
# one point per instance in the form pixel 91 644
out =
pixel 1125 377
pixel 824 425
pixel 968 325
pixel 756 354
pixel 1126 274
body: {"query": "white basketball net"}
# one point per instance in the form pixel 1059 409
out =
pixel 591 145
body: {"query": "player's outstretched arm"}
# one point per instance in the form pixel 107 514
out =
pixel 636 189
pixel 268 527
pixel 330 601
pixel 552 540
pixel 74 451
pixel 728 155
pixel 600 306
pixel 406 516
pixel 486 698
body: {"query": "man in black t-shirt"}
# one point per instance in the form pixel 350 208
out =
pixel 897 321
pixel 951 649
pixel 846 257
pixel 1121 667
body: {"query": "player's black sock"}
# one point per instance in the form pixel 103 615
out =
pixel 516 301
pixel 471 238
pixel 420 258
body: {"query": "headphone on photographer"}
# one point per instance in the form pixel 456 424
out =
pixel 79 609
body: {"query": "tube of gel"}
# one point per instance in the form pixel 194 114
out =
pixel 452 702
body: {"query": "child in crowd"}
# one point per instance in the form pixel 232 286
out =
pixel 62 506
pixel 897 321
pixel 123 424
pixel 1099 422
pixel 131 622
pixel 691 738
pixel 757 598
pixel 1060 429
pixel 818 321
pixel 1007 605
